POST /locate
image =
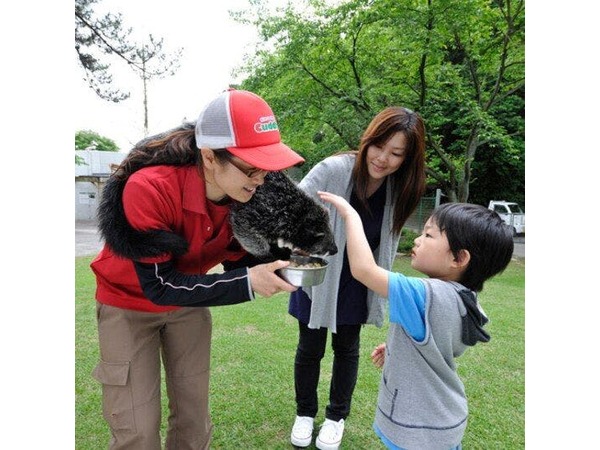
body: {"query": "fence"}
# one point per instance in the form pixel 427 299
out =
pixel 422 212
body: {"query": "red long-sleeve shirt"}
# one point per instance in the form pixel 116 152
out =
pixel 173 198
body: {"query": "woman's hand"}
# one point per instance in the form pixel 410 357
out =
pixel 266 282
pixel 378 355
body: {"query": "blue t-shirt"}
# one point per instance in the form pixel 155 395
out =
pixel 406 297
pixel 391 446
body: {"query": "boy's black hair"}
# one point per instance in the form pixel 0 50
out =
pixel 482 232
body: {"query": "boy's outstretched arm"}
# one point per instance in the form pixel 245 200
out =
pixel 362 263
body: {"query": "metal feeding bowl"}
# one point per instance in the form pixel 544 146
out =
pixel 304 271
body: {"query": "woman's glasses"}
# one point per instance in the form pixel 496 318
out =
pixel 249 172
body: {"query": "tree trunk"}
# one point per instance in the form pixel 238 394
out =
pixel 145 79
pixel 472 144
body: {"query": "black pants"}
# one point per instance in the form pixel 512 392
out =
pixel 307 367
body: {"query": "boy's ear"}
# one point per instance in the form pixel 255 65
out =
pixel 462 260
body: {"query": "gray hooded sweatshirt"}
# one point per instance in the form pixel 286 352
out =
pixel 421 403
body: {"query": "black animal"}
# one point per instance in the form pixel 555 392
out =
pixel 281 219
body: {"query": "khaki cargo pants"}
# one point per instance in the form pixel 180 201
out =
pixel 131 343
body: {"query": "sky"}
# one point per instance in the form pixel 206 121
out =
pixel 213 46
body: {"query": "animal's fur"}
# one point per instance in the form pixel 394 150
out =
pixel 122 238
pixel 281 218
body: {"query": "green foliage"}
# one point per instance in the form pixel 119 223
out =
pixel 407 239
pixel 327 70
pixel 499 167
pixel 90 139
pixel 79 161
pixel 252 372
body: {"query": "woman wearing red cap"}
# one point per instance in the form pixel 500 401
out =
pixel 164 219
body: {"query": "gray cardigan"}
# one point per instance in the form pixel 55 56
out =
pixel 333 174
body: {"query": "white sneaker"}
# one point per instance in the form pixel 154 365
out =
pixel 302 431
pixel 330 436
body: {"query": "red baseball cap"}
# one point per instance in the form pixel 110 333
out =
pixel 245 125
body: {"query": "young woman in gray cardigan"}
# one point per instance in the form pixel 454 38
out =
pixel 422 403
pixel 384 180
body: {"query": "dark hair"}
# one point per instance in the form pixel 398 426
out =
pixel 483 233
pixel 408 182
pixel 176 147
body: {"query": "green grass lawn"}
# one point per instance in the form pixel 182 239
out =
pixel 252 391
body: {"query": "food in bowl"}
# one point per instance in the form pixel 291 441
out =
pixel 310 265
pixel 304 271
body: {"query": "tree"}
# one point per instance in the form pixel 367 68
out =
pixel 149 61
pixel 98 40
pixel 327 71
pixel 90 140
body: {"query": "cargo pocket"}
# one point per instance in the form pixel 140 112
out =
pixel 117 400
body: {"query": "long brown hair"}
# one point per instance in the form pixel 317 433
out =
pixel 173 147
pixel 408 182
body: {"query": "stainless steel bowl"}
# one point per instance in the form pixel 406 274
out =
pixel 304 276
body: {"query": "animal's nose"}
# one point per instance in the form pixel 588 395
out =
pixel 332 250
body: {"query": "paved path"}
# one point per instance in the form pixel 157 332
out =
pixel 519 251
pixel 88 242
pixel 87 238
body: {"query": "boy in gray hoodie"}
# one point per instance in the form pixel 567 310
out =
pixel 421 402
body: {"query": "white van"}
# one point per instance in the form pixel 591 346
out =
pixel 511 213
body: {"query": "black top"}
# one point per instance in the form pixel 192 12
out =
pixel 352 295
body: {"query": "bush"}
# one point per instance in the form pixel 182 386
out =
pixel 407 240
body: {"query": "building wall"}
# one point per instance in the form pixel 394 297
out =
pixel 86 200
pixel 90 177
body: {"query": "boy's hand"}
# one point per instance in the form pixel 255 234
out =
pixel 378 355
pixel 343 207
